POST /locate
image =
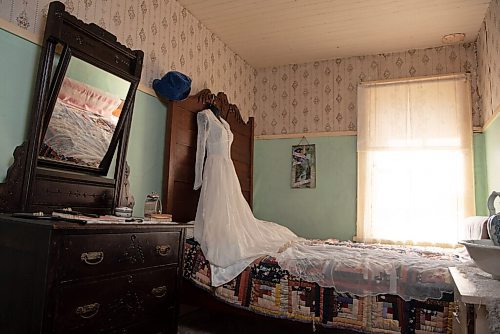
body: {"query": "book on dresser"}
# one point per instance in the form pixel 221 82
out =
pixel 161 217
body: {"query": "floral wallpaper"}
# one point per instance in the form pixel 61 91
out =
pixel 171 38
pixel 321 96
pixel 488 52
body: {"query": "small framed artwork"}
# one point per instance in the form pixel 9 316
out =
pixel 304 166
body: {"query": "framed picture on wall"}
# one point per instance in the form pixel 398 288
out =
pixel 304 166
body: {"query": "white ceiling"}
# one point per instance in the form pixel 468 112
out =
pixel 277 32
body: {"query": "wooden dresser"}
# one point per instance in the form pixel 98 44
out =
pixel 59 277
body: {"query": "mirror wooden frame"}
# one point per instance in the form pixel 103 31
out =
pixel 32 186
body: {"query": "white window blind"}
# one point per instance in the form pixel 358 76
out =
pixel 415 162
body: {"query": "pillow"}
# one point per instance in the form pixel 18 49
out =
pixel 474 228
pixel 88 98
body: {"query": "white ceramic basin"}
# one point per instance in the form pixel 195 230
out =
pixel 485 254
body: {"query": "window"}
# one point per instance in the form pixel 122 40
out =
pixel 415 176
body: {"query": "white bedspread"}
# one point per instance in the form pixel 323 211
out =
pixel 369 269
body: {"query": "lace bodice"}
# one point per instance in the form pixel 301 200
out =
pixel 214 140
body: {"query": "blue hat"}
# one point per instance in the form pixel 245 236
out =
pixel 173 86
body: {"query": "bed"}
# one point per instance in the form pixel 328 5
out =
pixel 82 124
pixel 264 288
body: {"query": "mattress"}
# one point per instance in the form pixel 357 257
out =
pixel 265 288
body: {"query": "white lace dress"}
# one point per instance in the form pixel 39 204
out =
pixel 230 236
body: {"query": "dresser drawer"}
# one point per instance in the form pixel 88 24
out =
pixel 98 254
pixel 108 304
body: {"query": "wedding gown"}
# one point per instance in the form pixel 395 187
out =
pixel 230 236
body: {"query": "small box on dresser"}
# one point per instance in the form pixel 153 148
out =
pixel 60 277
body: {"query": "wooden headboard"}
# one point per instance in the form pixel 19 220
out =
pixel 179 198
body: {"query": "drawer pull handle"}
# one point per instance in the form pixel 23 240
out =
pixel 92 258
pixel 159 292
pixel 88 311
pixel 163 250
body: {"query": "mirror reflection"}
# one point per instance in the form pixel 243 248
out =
pixel 85 115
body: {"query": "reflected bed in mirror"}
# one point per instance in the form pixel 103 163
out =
pixel 85 115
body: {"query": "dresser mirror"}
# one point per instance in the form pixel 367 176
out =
pixel 81 116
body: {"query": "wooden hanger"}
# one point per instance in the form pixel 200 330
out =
pixel 212 106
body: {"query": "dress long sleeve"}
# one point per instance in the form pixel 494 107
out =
pixel 200 148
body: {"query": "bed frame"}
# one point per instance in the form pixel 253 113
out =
pixel 179 198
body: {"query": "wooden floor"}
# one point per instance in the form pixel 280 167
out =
pixel 203 321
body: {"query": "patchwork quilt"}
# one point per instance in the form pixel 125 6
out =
pixel 265 288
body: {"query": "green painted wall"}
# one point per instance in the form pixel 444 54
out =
pixel 327 211
pixel 98 78
pixel 492 145
pixel 145 148
pixel 17 76
pixel 480 185
pixel 18 65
